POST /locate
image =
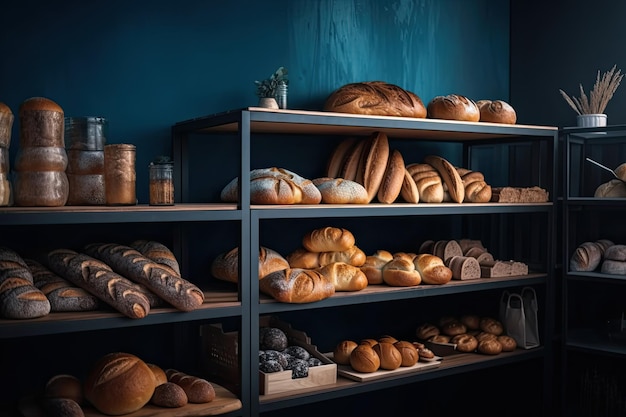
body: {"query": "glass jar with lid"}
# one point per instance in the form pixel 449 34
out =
pixel 161 182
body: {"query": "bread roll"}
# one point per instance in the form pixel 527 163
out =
pixel 471 321
pixel 613 267
pixel 426 330
pixel 449 175
pixel 465 342
pixel 401 272
pixel 225 266
pixel 508 343
pixel 496 111
pixel 328 239
pixel 615 252
pixel 353 256
pixel 612 189
pixel 296 285
pixel 64 386
pixel 453 107
pixel 586 257
pixel 428 182
pixel 62 407
pixel 393 178
pixel 490 347
pixel 344 277
pixel 453 328
pixel 341 191
pixel 390 356
pixel 364 359
pixel 302 258
pixel 375 98
pixel 170 395
pixel 341 353
pixel 491 325
pixel 408 351
pixel 476 189
pixel 440 338
pixel 374 264
pixel 119 383
pixel 198 390
pixel 432 269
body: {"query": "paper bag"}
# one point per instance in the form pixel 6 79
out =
pixel 518 313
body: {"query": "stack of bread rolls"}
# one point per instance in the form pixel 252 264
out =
pixel 370 355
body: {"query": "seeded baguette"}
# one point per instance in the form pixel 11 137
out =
pixel 130 263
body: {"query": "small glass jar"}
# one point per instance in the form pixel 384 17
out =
pixel 161 183
pixel 120 175
pixel 281 95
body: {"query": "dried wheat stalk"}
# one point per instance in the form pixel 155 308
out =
pixel 600 95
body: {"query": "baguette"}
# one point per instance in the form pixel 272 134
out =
pixel 393 179
pixel 62 294
pixel 158 252
pixel 97 277
pixel 130 263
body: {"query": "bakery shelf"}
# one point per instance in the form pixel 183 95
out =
pixel 596 277
pixel 450 365
pixel 216 305
pixel 141 213
pixel 381 293
pixel 591 340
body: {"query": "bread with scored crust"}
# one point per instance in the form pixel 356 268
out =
pixel 453 107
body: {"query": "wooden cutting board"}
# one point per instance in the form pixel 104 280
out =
pixel 347 371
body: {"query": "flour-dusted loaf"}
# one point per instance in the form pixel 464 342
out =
pixel 225 266
pixel 586 257
pixel 62 294
pixel 375 98
pixel 328 239
pixel 341 191
pixel 345 277
pixel 100 280
pixel 432 269
pixel 158 252
pixel 496 111
pixel 453 107
pixel 297 285
pixel 274 185
pixel 129 262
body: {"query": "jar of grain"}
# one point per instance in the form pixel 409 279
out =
pixel 120 174
pixel 161 183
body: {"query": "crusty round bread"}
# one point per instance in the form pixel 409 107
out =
pixel 342 351
pixel 341 191
pixel 586 257
pixel 408 352
pixel 426 330
pixel 345 277
pixel 615 253
pixel 364 359
pixel 198 390
pixel 440 338
pixel 169 395
pixel 369 341
pixel 119 383
pixel 490 347
pixel 620 171
pixel 453 107
pixel 375 98
pixel 64 386
pixel 390 356
pixel 471 321
pixel 453 328
pixel 496 111
pixel 393 179
pixel 400 272
pixel 508 343
pixel 465 342
pixel 328 239
pixel 613 267
pixel 159 374
pixel 491 325
pixel 485 336
pixel 432 269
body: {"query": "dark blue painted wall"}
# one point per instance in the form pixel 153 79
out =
pixel 145 65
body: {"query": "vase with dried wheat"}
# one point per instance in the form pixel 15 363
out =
pixel 591 109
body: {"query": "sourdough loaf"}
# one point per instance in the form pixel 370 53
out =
pixel 375 98
pixel 496 111
pixel 453 107
pixel 328 239
pixel 341 191
pixel 297 285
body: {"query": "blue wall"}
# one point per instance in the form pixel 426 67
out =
pixel 144 65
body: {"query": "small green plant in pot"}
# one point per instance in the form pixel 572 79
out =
pixel 267 89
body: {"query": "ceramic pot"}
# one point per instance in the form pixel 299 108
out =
pixel 591 120
pixel 268 103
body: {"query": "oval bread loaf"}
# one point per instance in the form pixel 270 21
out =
pixel 328 239
pixel 496 111
pixel 453 107
pixel 345 277
pixel 198 390
pixel 341 191
pixel 432 269
pixel 393 178
pixel 297 285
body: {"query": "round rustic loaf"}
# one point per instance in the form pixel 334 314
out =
pixel 453 107
pixel 364 359
pixel 64 386
pixel 342 351
pixel 169 395
pixel 496 111
pixel 408 352
pixel 390 356
pixel 586 257
pixel 375 98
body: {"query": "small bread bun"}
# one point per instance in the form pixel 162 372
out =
pixel 453 107
pixel 364 359
pixel 159 374
pixel 440 338
pixel 64 386
pixel 390 356
pixel 491 325
pixel 508 343
pixel 371 342
pixel 408 352
pixel 425 353
pixel 490 347
pixel 471 321
pixel 169 395
pixel 453 328
pixel 465 342
pixel 426 331
pixel 485 336
pixel 341 354
pixel 496 111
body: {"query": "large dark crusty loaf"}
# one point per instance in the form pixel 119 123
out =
pixel 19 298
pixel 158 252
pixel 274 186
pixel 62 294
pixel 375 98
pixel 130 263
pixel 99 279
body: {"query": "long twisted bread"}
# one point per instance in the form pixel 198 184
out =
pixel 130 263
pixel 97 277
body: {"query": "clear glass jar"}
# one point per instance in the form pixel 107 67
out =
pixel 281 95
pixel 161 184
pixel 120 174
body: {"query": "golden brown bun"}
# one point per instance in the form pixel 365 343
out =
pixel 453 328
pixel 471 321
pixel 374 264
pixel 496 111
pixel 302 258
pixel 428 182
pixel 387 338
pixel 426 330
pixel 424 352
pixel 485 336
pixel 508 343
pixel 432 269
pixel 408 352
pixel 491 325
pixel 400 272
pixel 297 285
pixel 341 191
pixel 465 342
pixel 225 266
pixel 375 98
pixel 490 347
pixel 620 171
pixel 370 342
pixel 198 390
pixel 393 179
pixel 364 359
pixel 345 277
pixel 440 338
pixel 119 383
pixel 390 356
pixel 64 386
pixel 328 239
pixel 353 256
pixel 453 107
pixel 409 191
pixel 476 189
pixel 159 374
pixel 449 175
pixel 341 354
pixel 169 395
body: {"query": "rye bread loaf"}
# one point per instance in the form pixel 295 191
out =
pixel 130 263
pixel 464 267
pixel 375 98
pixel 158 252
pixel 100 280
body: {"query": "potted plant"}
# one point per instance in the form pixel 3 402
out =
pixel 267 89
pixel 590 109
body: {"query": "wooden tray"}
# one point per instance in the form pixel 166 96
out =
pixel 347 371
